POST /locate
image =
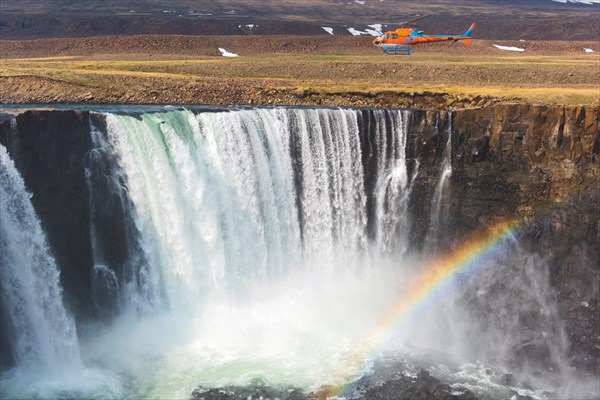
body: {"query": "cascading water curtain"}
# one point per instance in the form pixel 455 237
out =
pixel 393 183
pixel 224 199
pixel 43 333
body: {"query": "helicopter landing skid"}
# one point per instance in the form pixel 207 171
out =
pixel 397 49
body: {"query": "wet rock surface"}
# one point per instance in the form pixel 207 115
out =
pixel 423 386
pixel 241 393
pixel 384 384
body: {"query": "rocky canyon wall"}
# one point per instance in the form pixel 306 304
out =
pixel 539 165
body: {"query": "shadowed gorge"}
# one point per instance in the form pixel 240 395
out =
pixel 277 249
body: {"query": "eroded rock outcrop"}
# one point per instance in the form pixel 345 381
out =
pixel 539 165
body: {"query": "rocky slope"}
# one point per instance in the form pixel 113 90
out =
pixel 294 70
pixel 208 91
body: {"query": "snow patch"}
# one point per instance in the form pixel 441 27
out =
pixel 373 32
pixel 376 27
pixel 587 50
pixel 356 32
pixel 509 48
pixel 225 53
pixel 588 2
pixel 328 29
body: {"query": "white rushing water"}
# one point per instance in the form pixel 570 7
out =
pixel 120 276
pixel 45 339
pixel 393 183
pixel 204 187
pixel 251 223
pixel 247 261
pixel 440 196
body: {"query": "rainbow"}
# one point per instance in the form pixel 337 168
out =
pixel 428 286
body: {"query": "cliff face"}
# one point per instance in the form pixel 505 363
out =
pixel 534 164
pixel 49 149
pixel 538 165
pixel 512 161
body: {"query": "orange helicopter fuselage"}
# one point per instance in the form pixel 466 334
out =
pixel 411 36
pixel 395 37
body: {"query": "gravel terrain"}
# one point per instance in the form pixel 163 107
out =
pixel 294 70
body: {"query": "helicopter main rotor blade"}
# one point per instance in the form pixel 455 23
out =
pixel 412 21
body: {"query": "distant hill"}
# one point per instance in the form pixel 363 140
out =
pixel 496 19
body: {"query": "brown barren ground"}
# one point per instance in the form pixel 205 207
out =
pixel 294 70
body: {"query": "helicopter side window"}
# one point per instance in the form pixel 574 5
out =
pixel 394 36
pixel 387 35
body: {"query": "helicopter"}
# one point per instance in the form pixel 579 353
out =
pixel 403 38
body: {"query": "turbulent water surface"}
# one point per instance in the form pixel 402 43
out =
pixel 253 252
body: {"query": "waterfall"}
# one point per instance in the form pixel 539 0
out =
pixel 204 186
pixel 256 247
pixel 393 183
pixel 43 333
pixel 119 275
pixel 332 198
pixel 439 197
